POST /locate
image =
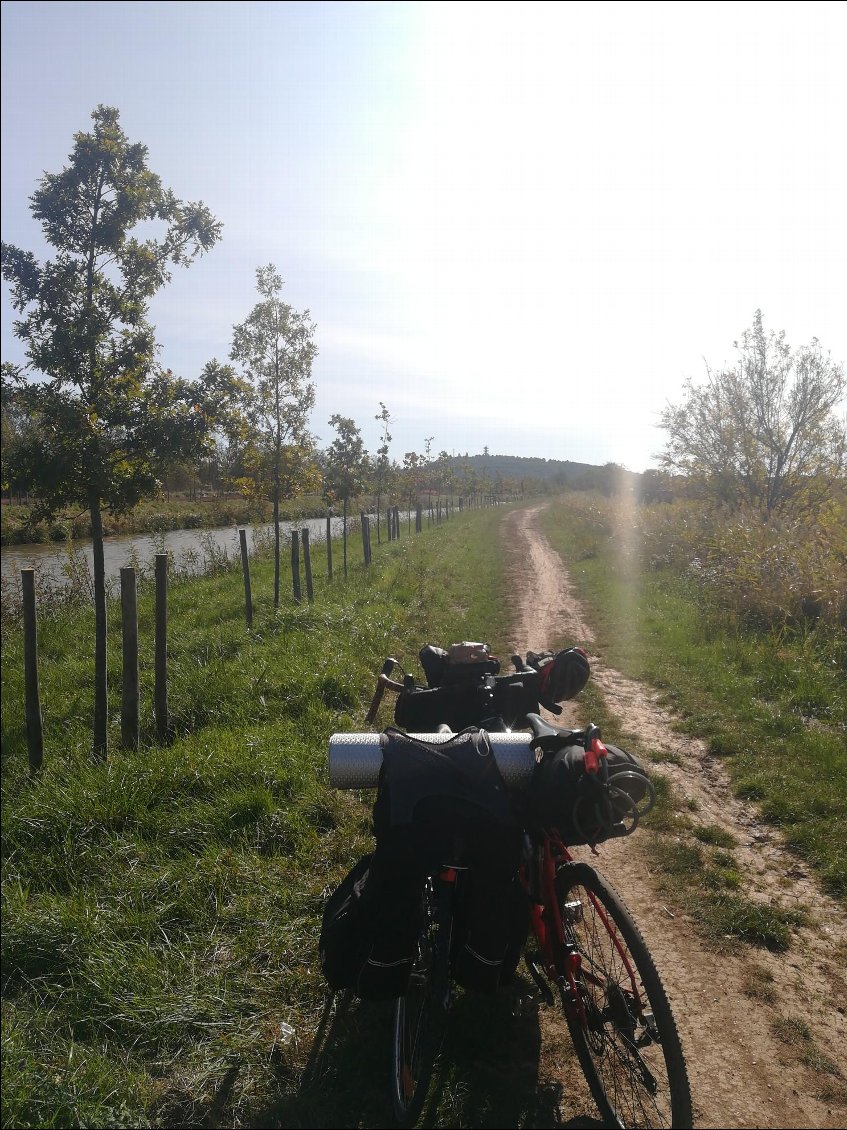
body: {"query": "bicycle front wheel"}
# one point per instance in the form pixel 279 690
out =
pixel 625 1034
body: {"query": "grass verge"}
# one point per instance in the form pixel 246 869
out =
pixel 161 911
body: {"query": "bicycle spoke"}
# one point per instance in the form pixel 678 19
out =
pixel 628 1047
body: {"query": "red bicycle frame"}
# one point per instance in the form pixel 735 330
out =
pixel 562 963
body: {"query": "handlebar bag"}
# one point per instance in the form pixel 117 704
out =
pixel 458 705
pixel 563 796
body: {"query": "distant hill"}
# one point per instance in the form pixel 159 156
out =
pixel 557 472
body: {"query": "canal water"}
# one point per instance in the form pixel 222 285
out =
pixel 191 549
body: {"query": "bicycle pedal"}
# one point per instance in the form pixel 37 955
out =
pixel 538 978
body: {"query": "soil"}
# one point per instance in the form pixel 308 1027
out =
pixel 742 1073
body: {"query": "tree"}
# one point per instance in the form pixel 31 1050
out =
pixel 764 432
pixel 276 348
pixel 106 412
pixel 381 463
pixel 347 467
pixel 413 466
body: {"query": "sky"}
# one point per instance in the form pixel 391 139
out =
pixel 518 226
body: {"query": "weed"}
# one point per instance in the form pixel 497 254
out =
pixel 797 1034
pixel 713 834
pixel 758 984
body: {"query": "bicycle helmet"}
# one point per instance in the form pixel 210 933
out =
pixel 563 676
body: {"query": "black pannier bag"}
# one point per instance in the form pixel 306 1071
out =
pixel 369 931
pixel 443 804
pixel 489 929
pixel 579 805
pixel 446 804
pixel 437 805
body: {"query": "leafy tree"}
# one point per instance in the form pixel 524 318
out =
pixel 763 432
pixel 107 414
pixel 276 348
pixel 347 467
pixel 413 469
pixel 381 463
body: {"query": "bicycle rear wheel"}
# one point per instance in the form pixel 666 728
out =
pixel 628 1045
pixel 420 1018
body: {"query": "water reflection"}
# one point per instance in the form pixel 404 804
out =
pixel 191 549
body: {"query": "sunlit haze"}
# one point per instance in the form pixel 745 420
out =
pixel 520 226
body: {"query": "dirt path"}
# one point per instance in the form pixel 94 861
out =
pixel 742 1074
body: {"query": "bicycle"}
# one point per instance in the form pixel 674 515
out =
pixel 587 954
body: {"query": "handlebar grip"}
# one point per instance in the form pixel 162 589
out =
pixel 387 667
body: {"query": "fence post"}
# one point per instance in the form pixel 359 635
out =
pixel 295 566
pixel 245 569
pixel 397 522
pixel 160 681
pixel 129 637
pixel 329 544
pixel 32 698
pixel 418 519
pixel 307 564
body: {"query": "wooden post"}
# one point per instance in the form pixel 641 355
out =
pixel 307 564
pixel 295 566
pixel 366 548
pixel 129 635
pixel 245 569
pixel 397 522
pixel 160 681
pixel 329 544
pixel 32 698
pixel 418 519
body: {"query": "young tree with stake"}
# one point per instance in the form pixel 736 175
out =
pixel 107 415
pixel 347 467
pixel 275 346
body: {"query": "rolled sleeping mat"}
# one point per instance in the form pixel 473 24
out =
pixel 355 759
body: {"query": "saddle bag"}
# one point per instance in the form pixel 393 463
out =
pixel 583 807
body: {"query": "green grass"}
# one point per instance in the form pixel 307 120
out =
pixel 161 911
pixel 772 705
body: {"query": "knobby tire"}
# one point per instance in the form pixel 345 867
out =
pixel 633 1064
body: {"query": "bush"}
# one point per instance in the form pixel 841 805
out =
pixel 784 573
